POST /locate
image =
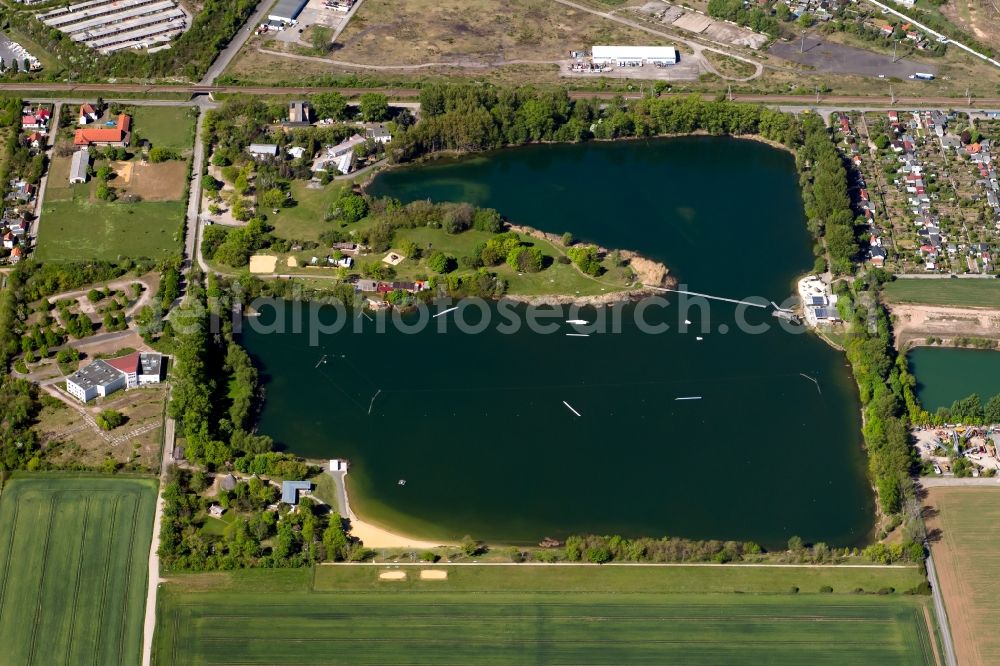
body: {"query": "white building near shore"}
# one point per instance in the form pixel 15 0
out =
pixel 634 56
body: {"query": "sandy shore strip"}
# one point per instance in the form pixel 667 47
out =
pixel 376 537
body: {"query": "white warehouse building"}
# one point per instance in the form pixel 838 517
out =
pixel 634 56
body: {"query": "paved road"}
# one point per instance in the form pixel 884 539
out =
pixel 954 481
pixel 40 201
pixel 192 237
pixel 227 54
pixel 942 615
pixel 945 276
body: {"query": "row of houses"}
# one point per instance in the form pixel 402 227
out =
pixel 385 287
pixel 339 158
pixel 877 254
pixel 103 377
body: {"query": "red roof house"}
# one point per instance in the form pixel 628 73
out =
pixel 118 135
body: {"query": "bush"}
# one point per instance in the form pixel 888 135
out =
pixel 826 589
pixel 109 419
pixel 598 555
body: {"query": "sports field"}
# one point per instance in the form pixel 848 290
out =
pixel 964 525
pixel 268 617
pixel 73 561
pixel 984 293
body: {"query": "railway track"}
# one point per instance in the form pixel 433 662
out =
pixel 403 93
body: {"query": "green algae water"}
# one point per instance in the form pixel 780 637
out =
pixel 945 375
pixel 483 427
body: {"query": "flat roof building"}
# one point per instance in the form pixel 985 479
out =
pixel 286 11
pixel 634 56
pixel 95 380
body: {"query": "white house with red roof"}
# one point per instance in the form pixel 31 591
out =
pixel 36 120
pixel 88 114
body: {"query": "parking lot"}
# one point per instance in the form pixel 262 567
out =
pixel 316 13
pixel 841 59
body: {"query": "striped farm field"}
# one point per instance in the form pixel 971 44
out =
pixel 238 619
pixel 964 528
pixel 73 561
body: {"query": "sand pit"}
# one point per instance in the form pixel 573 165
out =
pixel 392 575
pixel 293 262
pixel 433 574
pixel 262 263
pixel 123 170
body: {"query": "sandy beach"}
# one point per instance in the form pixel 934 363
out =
pixel 376 537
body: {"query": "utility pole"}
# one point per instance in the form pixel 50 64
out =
pixel 968 97
pixel 892 95
pixel 894 45
pixel 730 92
pixel 802 44
pixel 817 94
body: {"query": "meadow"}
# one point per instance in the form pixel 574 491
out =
pixel 348 614
pixel 73 553
pixel 964 526
pixel 165 126
pixel 984 293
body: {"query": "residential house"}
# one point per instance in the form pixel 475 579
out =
pixel 299 113
pixel 296 152
pixel 260 151
pixel 117 135
pixel 379 133
pixel 37 119
pixel 339 157
pixel 36 140
pixel 88 114
pixel 9 240
pixel 877 255
pixel 16 254
pixel 290 491
pixel 228 482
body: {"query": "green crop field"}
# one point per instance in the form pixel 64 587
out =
pixel 73 560
pixel 983 293
pixel 266 617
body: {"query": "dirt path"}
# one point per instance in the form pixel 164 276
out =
pixel 915 323
pixel 80 295
pixel 461 64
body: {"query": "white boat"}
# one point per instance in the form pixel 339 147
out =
pixel 578 322
pixel 402 482
pixel 699 338
pixel 687 322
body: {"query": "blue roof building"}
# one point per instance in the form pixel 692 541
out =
pixel 290 491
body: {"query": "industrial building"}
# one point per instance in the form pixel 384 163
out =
pixel 286 11
pixel 113 25
pixel 103 377
pixel 634 56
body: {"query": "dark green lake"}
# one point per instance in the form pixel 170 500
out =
pixel 476 424
pixel 945 375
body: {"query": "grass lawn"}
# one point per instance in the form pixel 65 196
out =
pixel 273 616
pixel 964 525
pixel 76 225
pixel 83 229
pixel 305 221
pixel 984 293
pixel 73 555
pixel 165 126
